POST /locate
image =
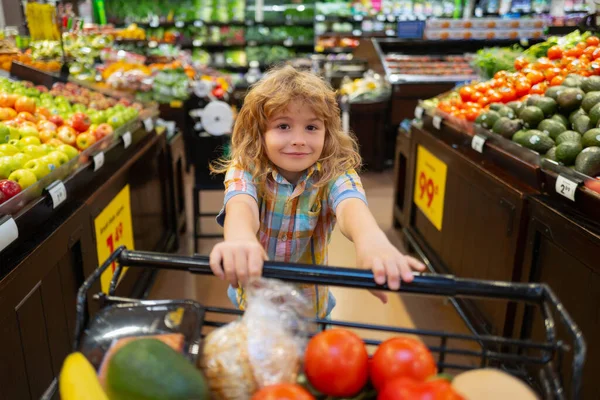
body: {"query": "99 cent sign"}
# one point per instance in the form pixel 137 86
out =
pixel 430 186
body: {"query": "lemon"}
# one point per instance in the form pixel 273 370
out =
pixel 78 380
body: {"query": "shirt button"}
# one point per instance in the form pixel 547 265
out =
pixel 283 238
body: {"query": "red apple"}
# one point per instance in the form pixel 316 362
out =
pixel 25 104
pixel 3 198
pixel 9 188
pixel 54 142
pixel 67 135
pixel 42 88
pixel 85 140
pixel 103 130
pixel 80 122
pixel 46 135
pixel 56 120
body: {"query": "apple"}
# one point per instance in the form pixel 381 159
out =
pixel 34 151
pixel 7 114
pixel 29 140
pixel 7 166
pixel 9 188
pixel 26 116
pixel 17 143
pixel 58 158
pixel 67 135
pixel 20 159
pixel 117 120
pixel 29 130
pixel 8 149
pixel 25 104
pixel 4 133
pixel 46 135
pixel 23 177
pixel 103 130
pixel 54 143
pixel 46 125
pixel 56 120
pixel 85 140
pixel 48 148
pixel 40 167
pixel 8 100
pixel 80 122
pixel 70 151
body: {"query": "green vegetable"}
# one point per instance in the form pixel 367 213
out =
pixel 488 61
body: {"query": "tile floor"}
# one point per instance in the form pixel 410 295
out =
pixel 352 305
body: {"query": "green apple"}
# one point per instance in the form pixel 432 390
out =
pixel 78 107
pixel 4 133
pixel 70 151
pixel 29 131
pixel 47 148
pixel 8 149
pixel 17 143
pixel 30 140
pixel 13 133
pixel 40 167
pixel 58 158
pixel 7 166
pixel 23 177
pixel 34 151
pixel 21 159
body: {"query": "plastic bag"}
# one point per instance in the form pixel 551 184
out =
pixel 264 348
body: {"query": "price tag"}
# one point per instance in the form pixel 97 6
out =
pixel 198 24
pixel 179 24
pixel 437 122
pixel 566 187
pixel 8 231
pixel 149 124
pixel 288 42
pixel 58 193
pixel 126 139
pixel 478 142
pixel 98 161
pixel 430 186
pixel 419 112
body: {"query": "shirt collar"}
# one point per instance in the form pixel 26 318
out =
pixel 308 174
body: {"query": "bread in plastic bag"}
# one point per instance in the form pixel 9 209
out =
pixel 264 348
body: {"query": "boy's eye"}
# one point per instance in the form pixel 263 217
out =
pixel 283 126
pixel 312 128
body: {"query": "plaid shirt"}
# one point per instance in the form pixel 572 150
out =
pixel 296 222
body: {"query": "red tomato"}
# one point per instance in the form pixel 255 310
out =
pixel 535 77
pixel 476 96
pixel 593 184
pixel 522 87
pixel 589 52
pixel 483 101
pixel 472 113
pixel 336 363
pixel 581 45
pixel 520 63
pixel 409 389
pixel 508 94
pixel 574 52
pixel 554 53
pixel 284 391
pixel 592 41
pixel 401 357
pixel 540 88
pixel 557 80
pixel 596 53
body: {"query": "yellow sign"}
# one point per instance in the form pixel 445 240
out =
pixel 430 186
pixel 113 229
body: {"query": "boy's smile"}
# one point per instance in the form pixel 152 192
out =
pixel 294 140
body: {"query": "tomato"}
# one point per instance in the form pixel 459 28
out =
pixel 501 74
pixel 409 389
pixel 593 184
pixel 596 53
pixel 542 64
pixel 481 87
pixel 508 94
pixel 472 113
pixel 540 88
pixel 284 391
pixel 555 52
pixel 589 52
pixel 336 363
pixel 557 80
pixel 495 97
pixel 535 77
pixel 592 41
pixel 401 357
pixel 483 101
pixel 466 92
pixel 581 45
pixel 522 87
pixel 520 63
pixel 574 52
pixel 552 72
pixel 476 96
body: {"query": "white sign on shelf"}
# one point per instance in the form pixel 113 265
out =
pixel 149 124
pixel 126 139
pixel 437 122
pixel 566 187
pixel 419 112
pixel 58 193
pixel 8 232
pixel 478 142
pixel 98 161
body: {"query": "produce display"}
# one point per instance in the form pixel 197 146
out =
pixel 429 65
pixel 371 87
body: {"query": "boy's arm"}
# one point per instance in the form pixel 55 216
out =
pixel 241 221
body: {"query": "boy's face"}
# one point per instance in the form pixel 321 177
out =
pixel 294 140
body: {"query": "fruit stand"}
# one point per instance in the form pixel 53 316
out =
pixel 491 200
pixel 74 211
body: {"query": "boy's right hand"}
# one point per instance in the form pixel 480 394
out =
pixel 237 260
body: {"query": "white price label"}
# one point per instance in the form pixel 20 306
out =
pixel 149 124
pixel 566 187
pixel 179 24
pixel 198 24
pixel 8 232
pixel 478 142
pixel 98 161
pixel 437 122
pixel 126 139
pixel 58 193
pixel 419 112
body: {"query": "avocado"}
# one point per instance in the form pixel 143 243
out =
pixel 567 152
pixel 570 99
pixel 562 119
pixel 590 100
pixel 595 114
pixel 496 106
pixel 506 111
pixel 568 136
pixel 488 119
pixel 591 84
pixel 531 100
pixel 575 114
pixel 591 138
pixel 507 127
pixel 552 128
pixel 519 136
pixel 582 124
pixel 531 116
pixel 553 91
pixel 588 161
pixel 572 81
pixel 150 369
pixel 535 141
pixel 551 154
pixel 547 105
pixel 517 106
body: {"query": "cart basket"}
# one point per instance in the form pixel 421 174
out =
pixel 540 363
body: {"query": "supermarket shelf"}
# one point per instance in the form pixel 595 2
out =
pixel 210 46
pixel 381 34
pixel 403 78
pixel 308 23
pixel 356 18
pixel 335 50
pixel 285 43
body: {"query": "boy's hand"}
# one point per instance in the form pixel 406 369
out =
pixel 387 263
pixel 237 260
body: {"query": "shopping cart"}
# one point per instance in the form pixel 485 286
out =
pixel 541 363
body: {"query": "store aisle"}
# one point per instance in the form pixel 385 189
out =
pixel 352 305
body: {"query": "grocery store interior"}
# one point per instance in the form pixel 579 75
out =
pixel 478 128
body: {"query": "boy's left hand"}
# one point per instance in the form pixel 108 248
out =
pixel 387 263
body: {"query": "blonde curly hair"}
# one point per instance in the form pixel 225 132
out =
pixel 271 96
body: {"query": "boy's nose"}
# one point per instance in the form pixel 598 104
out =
pixel 298 139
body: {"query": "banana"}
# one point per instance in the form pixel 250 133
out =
pixel 78 380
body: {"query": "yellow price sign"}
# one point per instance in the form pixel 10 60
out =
pixel 430 186
pixel 113 229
